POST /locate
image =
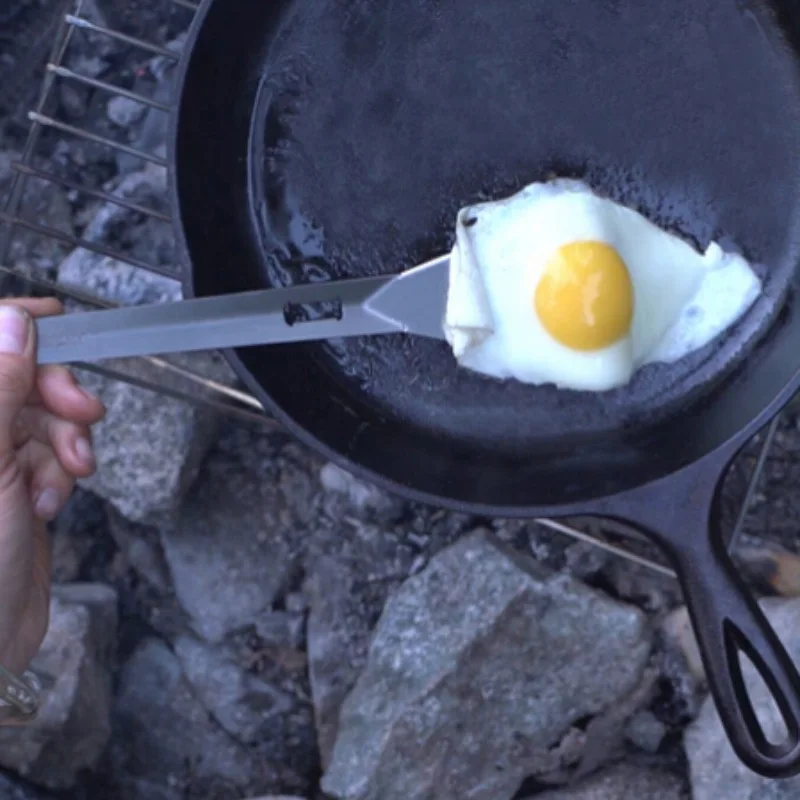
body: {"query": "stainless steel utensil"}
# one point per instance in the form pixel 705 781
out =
pixel 412 302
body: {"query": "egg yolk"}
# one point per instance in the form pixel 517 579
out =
pixel 585 296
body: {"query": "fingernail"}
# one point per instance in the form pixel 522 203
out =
pixel 14 325
pixel 84 451
pixel 47 504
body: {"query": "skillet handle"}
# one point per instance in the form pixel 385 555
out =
pixel 680 514
pixel 728 622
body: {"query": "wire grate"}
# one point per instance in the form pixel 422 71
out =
pixel 174 380
pixel 185 384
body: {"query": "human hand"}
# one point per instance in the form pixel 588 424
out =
pixel 45 444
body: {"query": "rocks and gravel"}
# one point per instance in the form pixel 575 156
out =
pixel 682 675
pixel 604 736
pixel 73 726
pixel 365 546
pixel 282 628
pixel 241 703
pixel 141 547
pixel 130 233
pixel 234 546
pixel 625 782
pixel 366 499
pixel 478 666
pixel 77 529
pixel 125 112
pixel 774 570
pixel 167 742
pixel 774 517
pixel 679 634
pixel 12 790
pixel 45 204
pixel 277 797
pixel 715 770
pixel 343 614
pixel 646 731
pixel 101 602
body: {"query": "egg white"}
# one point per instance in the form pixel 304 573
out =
pixel 682 299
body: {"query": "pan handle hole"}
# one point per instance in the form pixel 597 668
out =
pixel 768 713
pixel 295 313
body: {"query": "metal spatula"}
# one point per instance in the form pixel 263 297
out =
pixel 412 302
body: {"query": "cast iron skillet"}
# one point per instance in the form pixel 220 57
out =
pixel 320 138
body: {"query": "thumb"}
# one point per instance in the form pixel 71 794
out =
pixel 17 369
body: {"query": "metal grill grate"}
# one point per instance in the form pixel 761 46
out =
pixel 174 380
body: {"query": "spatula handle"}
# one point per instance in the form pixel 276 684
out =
pixel 270 316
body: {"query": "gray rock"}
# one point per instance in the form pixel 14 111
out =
pixel 73 727
pixel 344 611
pixel 148 447
pixel 365 498
pixel 124 112
pixel 165 744
pixel 646 731
pixel 240 532
pixel 715 770
pixel 241 703
pixel 624 782
pixel 478 666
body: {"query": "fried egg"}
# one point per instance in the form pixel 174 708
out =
pixel 559 285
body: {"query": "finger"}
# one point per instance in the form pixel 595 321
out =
pixel 17 372
pixel 36 306
pixel 59 392
pixel 34 609
pixel 71 442
pixel 50 484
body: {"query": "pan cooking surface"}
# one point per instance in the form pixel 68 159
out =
pixel 378 120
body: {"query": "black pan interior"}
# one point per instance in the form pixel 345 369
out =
pixel 338 138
